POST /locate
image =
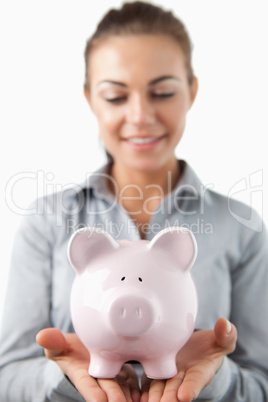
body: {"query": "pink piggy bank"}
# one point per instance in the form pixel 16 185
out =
pixel 133 300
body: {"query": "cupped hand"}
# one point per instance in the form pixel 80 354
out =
pixel 73 359
pixel 198 362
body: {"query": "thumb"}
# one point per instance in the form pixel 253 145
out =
pixel 53 341
pixel 225 334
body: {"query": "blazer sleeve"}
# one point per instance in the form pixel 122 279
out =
pixel 25 373
pixel 243 376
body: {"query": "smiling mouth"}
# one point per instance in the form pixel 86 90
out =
pixel 139 140
pixel 144 140
pixel 143 144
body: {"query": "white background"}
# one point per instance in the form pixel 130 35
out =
pixel 49 138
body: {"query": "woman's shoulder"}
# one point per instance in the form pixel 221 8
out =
pixel 222 210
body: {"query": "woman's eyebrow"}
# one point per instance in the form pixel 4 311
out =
pixel 163 78
pixel 151 83
pixel 121 84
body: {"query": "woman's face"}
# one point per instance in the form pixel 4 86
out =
pixel 139 93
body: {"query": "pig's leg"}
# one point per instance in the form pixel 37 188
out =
pixel 103 368
pixel 160 368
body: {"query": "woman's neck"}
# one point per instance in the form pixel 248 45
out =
pixel 165 178
pixel 141 192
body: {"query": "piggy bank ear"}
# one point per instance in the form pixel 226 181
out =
pixel 87 243
pixel 180 243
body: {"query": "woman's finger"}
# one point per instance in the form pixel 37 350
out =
pixel 225 334
pixel 156 390
pixel 52 340
pixel 113 391
pixel 172 386
pixel 89 388
pixel 194 381
pixel 145 386
pixel 126 381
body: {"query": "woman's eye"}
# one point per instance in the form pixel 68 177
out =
pixel 162 95
pixel 117 99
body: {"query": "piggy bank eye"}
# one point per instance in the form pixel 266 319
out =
pixel 140 279
pixel 123 278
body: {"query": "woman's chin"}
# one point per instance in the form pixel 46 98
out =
pixel 147 165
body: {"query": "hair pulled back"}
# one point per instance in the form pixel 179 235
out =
pixel 136 18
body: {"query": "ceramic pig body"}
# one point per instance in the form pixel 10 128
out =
pixel 133 300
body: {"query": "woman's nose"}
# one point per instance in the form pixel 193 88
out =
pixel 140 111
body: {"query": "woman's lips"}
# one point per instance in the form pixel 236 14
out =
pixel 143 143
pixel 140 140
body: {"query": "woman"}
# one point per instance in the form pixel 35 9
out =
pixel 140 86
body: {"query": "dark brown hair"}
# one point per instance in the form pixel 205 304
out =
pixel 142 18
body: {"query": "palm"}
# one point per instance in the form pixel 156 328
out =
pixel 73 359
pixel 197 363
pixel 201 350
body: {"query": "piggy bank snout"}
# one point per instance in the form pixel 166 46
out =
pixel 131 315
